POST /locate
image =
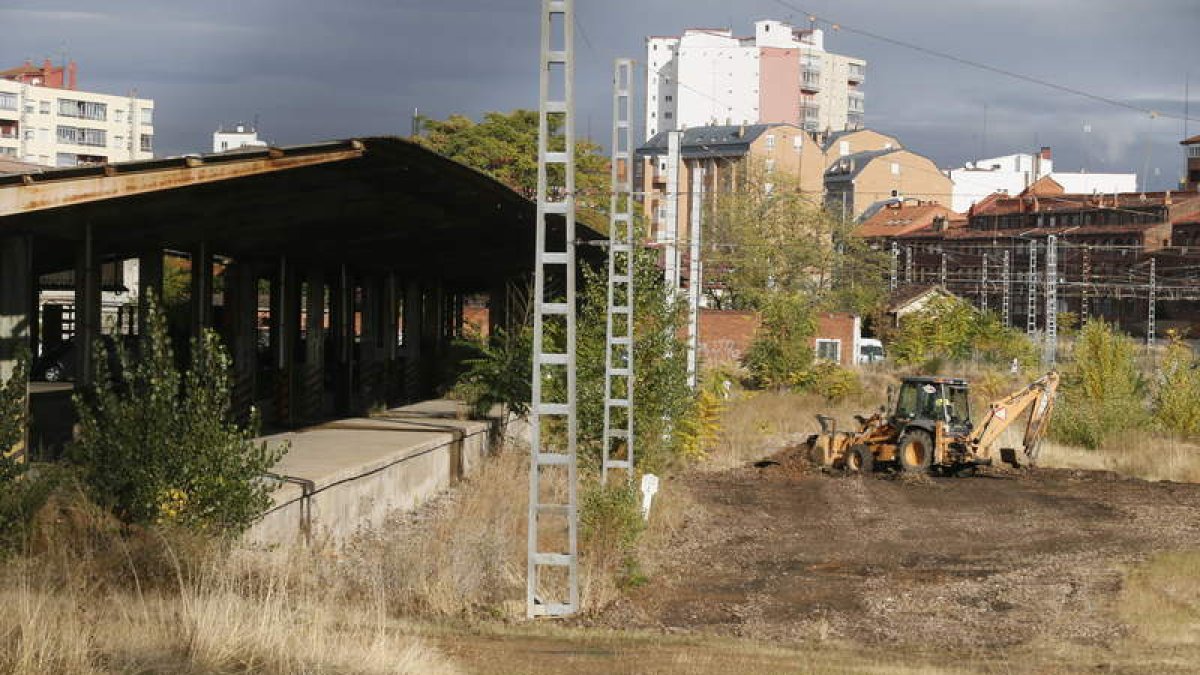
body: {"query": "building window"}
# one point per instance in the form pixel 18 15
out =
pixel 797 142
pixel 147 116
pixel 829 350
pixel 667 115
pixel 84 110
pixel 8 101
pixel 770 165
pixel 843 148
pixel 669 98
pixel 770 141
pixel 895 168
pixel 147 144
pixel 81 136
pixel 44 107
pixel 118 115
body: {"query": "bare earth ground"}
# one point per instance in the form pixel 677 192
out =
pixel 785 569
pixel 1003 560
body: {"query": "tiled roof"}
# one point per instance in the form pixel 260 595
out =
pixel 1190 141
pixel 891 221
pixel 1004 205
pixel 711 141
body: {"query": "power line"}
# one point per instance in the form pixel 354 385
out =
pixel 983 66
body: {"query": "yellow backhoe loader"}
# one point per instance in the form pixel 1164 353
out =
pixel 930 428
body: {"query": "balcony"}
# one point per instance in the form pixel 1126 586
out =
pixel 810 79
pixel 857 73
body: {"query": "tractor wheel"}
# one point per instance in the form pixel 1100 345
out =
pixel 915 452
pixel 859 459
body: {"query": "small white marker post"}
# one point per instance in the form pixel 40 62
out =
pixel 649 488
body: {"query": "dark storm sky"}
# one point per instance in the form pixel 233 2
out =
pixel 322 69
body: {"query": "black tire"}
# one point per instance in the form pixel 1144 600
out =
pixel 859 459
pixel 915 452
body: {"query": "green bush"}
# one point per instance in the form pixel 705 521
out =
pixel 12 405
pixel 1103 393
pixel 951 329
pixel 1177 394
pixel 781 354
pixel 832 381
pixel 161 446
pixel 499 374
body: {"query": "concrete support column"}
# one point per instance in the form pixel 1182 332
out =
pixel 285 315
pixel 87 305
pixel 342 316
pixel 414 330
pixel 498 307
pixel 241 298
pixel 391 318
pixel 150 279
pixel 17 313
pixel 202 288
pixel 313 386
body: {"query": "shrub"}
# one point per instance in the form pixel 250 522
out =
pixel 832 381
pixel 781 353
pixel 160 446
pixel 950 329
pixel 499 374
pixel 1177 395
pixel 1102 391
pixel 21 493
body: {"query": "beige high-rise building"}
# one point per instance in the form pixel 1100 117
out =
pixel 45 120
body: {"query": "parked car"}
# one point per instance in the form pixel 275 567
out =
pixel 870 350
pixel 58 363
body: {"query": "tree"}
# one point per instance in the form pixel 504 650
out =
pixel 954 330
pixel 504 145
pixel 766 237
pixel 159 445
pixel 1177 396
pixel 1102 391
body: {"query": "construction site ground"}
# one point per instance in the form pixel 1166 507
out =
pixel 986 572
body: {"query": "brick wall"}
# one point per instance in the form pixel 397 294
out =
pixel 840 327
pixel 725 335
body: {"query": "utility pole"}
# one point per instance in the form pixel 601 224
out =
pixel 1151 301
pixel 1031 309
pixel 548 453
pixel 671 241
pixel 1050 353
pixel 693 296
pixel 618 354
pixel 1005 307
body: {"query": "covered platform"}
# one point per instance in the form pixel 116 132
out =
pixel 335 272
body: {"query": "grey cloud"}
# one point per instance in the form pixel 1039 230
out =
pixel 317 69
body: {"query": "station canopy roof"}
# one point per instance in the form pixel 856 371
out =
pixel 380 203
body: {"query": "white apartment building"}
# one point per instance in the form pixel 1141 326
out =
pixel 1010 174
pixel 782 74
pixel 236 136
pixel 55 126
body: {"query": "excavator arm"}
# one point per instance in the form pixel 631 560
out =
pixel 1006 411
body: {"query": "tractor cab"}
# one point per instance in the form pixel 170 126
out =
pixel 924 401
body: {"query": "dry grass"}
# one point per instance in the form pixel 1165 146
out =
pixel 218 624
pixel 1135 455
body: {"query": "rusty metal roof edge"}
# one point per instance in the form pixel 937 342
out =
pixel 177 162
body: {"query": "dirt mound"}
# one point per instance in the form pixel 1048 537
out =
pixel 791 462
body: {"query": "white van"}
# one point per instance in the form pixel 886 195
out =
pixel 870 350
